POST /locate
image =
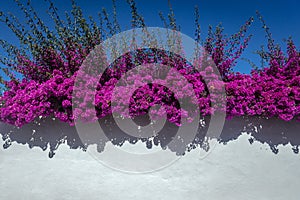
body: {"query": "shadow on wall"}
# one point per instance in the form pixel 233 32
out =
pixel 48 133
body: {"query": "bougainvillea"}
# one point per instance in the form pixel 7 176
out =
pixel 51 62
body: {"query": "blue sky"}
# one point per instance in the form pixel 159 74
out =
pixel 282 16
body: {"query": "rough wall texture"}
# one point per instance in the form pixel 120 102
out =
pixel 235 169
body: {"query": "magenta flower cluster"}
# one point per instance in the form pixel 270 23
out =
pixel 270 92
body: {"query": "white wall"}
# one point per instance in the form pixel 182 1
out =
pixel 237 170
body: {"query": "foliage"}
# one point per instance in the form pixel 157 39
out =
pixel 49 61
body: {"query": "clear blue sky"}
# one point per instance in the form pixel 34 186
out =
pixel 282 16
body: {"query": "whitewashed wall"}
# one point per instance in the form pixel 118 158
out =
pixel 235 169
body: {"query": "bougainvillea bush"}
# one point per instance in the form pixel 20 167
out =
pixel 49 61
